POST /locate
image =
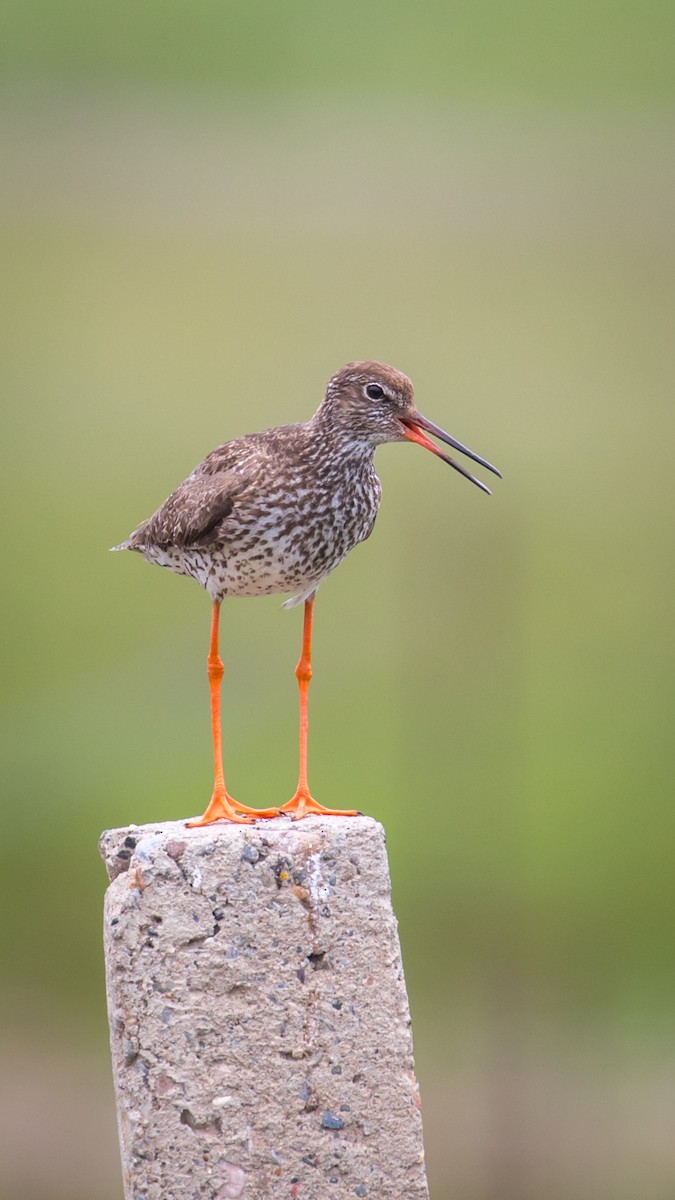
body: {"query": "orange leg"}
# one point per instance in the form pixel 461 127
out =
pixel 221 805
pixel 303 803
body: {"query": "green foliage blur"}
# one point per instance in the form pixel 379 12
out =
pixel 206 209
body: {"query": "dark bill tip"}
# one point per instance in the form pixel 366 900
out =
pixel 439 433
pixel 412 428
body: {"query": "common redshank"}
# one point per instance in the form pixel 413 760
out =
pixel 276 512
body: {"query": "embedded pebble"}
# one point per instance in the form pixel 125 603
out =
pixel 330 1120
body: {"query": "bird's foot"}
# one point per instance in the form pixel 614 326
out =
pixel 255 812
pixel 302 804
pixel 222 807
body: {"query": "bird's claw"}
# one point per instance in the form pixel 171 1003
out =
pixel 303 804
pixel 223 807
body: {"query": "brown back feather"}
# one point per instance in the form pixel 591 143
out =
pixel 191 513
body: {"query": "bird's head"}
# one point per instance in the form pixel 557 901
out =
pixel 376 404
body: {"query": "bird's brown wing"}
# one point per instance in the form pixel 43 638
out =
pixel 192 513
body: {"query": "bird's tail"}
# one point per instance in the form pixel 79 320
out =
pixel 298 599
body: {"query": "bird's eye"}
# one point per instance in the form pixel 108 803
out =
pixel 374 391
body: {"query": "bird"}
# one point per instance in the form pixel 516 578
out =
pixel 276 512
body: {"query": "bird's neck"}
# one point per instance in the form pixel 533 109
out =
pixel 345 442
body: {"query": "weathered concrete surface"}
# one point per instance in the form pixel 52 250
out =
pixel 259 1020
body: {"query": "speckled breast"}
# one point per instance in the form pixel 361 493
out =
pixel 287 542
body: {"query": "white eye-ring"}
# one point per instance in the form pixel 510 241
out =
pixel 374 391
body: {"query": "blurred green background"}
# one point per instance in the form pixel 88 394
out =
pixel 206 209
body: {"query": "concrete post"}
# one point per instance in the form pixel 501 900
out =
pixel 258 1015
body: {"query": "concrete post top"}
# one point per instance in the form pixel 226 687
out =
pixel 135 846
